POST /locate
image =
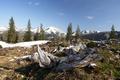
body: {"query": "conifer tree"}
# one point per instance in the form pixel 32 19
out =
pixel 28 33
pixel 85 32
pixel 112 33
pixel 11 34
pixel 69 32
pixel 77 34
pixel 37 34
pixel 17 36
pixel 42 33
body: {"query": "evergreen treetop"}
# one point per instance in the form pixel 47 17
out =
pixel 11 34
pixel 28 33
pixel 69 32
pixel 112 33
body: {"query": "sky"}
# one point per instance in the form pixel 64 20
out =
pixel 97 15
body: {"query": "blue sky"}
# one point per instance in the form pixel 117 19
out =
pixel 89 14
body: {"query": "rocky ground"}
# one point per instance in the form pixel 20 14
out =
pixel 107 69
pixel 8 63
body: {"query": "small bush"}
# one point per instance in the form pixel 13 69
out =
pixel 0 46
pixel 91 44
pixel 116 73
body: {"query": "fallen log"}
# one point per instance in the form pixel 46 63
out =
pixel 72 60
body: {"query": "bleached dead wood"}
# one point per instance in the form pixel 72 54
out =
pixel 73 59
pixel 43 58
pixel 85 58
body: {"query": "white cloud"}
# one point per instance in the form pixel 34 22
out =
pixel 61 14
pixel 33 3
pixel 36 3
pixel 29 3
pixel 90 17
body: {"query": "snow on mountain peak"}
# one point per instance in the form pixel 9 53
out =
pixel 3 28
pixel 48 30
pixel 53 30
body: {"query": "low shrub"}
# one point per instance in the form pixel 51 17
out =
pixel 91 45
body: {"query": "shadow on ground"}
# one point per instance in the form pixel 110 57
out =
pixel 33 71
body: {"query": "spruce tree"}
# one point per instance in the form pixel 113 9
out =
pixel 85 32
pixel 11 34
pixel 112 33
pixel 16 38
pixel 77 34
pixel 42 33
pixel 28 33
pixel 69 32
pixel 36 36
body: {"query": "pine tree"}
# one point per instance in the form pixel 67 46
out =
pixel 16 38
pixel 28 33
pixel 77 34
pixel 69 32
pixel 85 32
pixel 37 35
pixel 42 33
pixel 112 33
pixel 11 34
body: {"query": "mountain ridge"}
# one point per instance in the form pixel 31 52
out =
pixel 48 30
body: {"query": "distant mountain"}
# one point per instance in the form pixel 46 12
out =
pixel 54 30
pixel 86 32
pixel 2 29
pixel 48 30
pixel 100 36
pixel 89 31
